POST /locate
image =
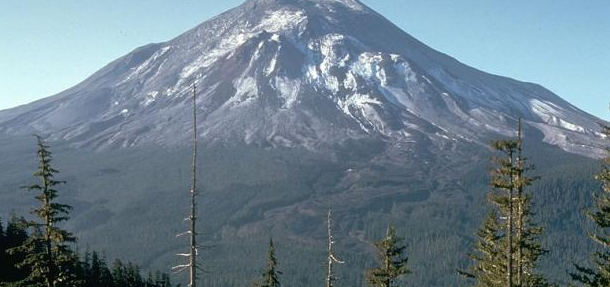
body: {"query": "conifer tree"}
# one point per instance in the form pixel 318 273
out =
pixel 164 280
pixel 1 233
pixel 119 277
pixel 105 274
pixel 159 280
pixel 599 275
pixel 503 181
pixel 508 244
pixel 528 246
pixel 489 264
pixel 391 253
pixel 91 271
pixel 14 235
pixel 133 276
pixel 270 277
pixel 47 254
pixel 4 261
pixel 150 280
pixel 95 274
pixel 84 268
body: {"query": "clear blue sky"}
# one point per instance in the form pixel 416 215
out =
pixel 48 46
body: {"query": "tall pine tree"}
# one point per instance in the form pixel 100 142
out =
pixel 391 252
pixel 270 277
pixel 119 277
pixel 508 245
pixel 503 183
pixel 47 253
pixel 599 275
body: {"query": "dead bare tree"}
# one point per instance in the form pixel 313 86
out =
pixel 330 277
pixel 192 264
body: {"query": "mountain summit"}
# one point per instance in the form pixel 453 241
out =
pixel 299 73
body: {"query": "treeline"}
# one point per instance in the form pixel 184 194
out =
pixel 390 253
pixel 91 269
pixel 38 253
pixel 508 245
pixel 506 253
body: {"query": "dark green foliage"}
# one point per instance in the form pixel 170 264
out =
pixel 530 243
pixel 503 182
pixel 43 257
pixel 390 251
pixel 46 251
pixel 269 278
pixel 95 272
pixel 508 248
pixel 14 235
pixel 90 271
pixel 126 274
pixel 441 204
pixel 119 274
pixel 599 275
pixel 489 264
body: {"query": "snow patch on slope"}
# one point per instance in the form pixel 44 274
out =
pixel 208 59
pixel 551 115
pixel 326 54
pixel 362 104
pixel 288 90
pixel 151 97
pixel 273 62
pixel 352 4
pixel 146 66
pixel 358 101
pixel 368 66
pixel 278 22
pixel 283 20
pixel 246 91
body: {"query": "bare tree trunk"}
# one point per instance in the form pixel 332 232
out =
pixel 330 278
pixel 520 203
pixel 509 228
pixel 193 217
pixel 192 264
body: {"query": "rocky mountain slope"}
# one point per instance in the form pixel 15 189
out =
pixel 298 73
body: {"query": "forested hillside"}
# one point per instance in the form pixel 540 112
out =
pixel 231 261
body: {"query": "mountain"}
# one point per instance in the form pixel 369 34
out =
pixel 304 104
pixel 299 72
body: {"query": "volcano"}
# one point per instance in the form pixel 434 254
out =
pixel 304 104
pixel 299 73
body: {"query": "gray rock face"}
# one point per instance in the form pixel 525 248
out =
pixel 307 73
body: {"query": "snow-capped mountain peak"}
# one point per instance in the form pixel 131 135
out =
pixel 306 73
